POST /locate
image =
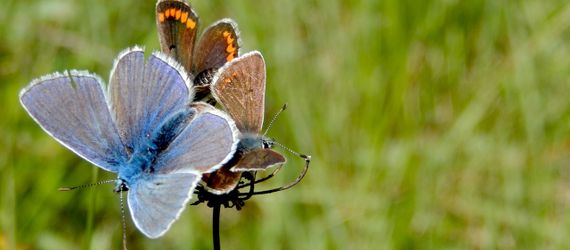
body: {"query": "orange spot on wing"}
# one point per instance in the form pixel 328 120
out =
pixel 226 34
pixel 184 17
pixel 230 48
pixel 227 80
pixel 167 13
pixel 190 24
pixel 230 57
pixel 172 12
pixel 178 13
pixel 230 40
pixel 161 17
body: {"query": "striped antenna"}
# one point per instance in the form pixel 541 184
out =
pixel 275 118
pixel 304 156
pixel 86 185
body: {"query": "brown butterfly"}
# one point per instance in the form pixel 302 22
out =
pixel 239 87
pixel 177 25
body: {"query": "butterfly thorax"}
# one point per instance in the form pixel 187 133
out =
pixel 140 165
pixel 250 141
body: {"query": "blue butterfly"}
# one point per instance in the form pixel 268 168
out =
pixel 141 126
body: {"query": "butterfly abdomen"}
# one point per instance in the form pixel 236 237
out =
pixel 205 77
pixel 171 128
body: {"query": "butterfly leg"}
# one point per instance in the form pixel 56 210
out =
pixel 275 171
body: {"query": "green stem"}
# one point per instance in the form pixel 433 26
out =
pixel 90 211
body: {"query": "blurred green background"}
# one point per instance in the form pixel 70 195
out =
pixel 432 125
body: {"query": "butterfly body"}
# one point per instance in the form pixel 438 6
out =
pixel 141 163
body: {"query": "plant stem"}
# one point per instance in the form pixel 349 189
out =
pixel 216 225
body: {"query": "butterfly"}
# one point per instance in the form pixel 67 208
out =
pixel 177 25
pixel 141 126
pixel 239 86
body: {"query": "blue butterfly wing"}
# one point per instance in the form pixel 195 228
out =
pixel 207 142
pixel 157 202
pixel 73 109
pixel 144 94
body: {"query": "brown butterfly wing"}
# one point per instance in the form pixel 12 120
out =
pixel 259 159
pixel 240 87
pixel 222 180
pixel 227 177
pixel 177 26
pixel 219 44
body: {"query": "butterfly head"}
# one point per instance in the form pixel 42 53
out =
pixel 267 142
pixel 121 186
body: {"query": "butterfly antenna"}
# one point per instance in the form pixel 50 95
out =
pixel 305 157
pixel 85 185
pixel 123 219
pixel 275 118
